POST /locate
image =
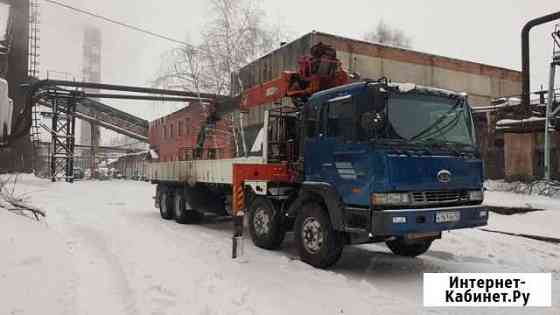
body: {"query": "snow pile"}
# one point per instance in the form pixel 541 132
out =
pixel 538 223
pixel 537 188
pixel 505 122
pixel 6 110
pixel 4 14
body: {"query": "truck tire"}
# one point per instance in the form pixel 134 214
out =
pixel 183 214
pixel 318 243
pixel 166 205
pixel 402 248
pixel 265 224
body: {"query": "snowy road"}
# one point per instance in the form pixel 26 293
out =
pixel 105 250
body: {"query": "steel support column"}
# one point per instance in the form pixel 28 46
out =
pixel 62 131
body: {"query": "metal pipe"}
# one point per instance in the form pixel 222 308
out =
pixel 124 88
pixel 549 113
pixel 104 148
pixel 526 54
pixel 242 129
pixel 21 126
pixel 145 97
pixel 111 127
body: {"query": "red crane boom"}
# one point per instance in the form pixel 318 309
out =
pixel 319 71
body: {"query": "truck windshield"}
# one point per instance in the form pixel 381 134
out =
pixel 430 119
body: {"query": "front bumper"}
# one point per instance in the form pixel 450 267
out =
pixel 424 220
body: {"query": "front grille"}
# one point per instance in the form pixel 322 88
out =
pixel 439 197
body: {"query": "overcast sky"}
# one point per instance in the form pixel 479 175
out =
pixel 482 31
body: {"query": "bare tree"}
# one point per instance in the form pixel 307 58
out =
pixel 385 34
pixel 17 203
pixel 183 67
pixel 235 34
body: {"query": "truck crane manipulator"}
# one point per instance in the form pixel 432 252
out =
pixel 349 163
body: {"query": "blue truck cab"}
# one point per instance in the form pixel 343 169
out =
pixel 393 162
pixel 376 162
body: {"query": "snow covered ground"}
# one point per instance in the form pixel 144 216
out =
pixel 539 223
pixel 104 250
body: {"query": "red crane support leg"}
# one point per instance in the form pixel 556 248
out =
pixel 272 173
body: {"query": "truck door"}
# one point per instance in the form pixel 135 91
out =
pixel 328 155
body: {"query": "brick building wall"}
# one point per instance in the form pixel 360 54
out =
pixel 174 137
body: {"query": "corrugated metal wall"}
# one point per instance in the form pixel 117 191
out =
pixel 481 82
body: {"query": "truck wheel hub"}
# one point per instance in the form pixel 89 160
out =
pixel 261 222
pixel 312 235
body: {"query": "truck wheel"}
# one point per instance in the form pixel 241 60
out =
pixel 402 248
pixel 183 213
pixel 318 243
pixel 265 224
pixel 165 205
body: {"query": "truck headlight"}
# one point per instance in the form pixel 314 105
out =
pixel 392 199
pixel 476 195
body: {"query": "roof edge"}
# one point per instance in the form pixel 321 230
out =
pixel 413 51
pixel 514 75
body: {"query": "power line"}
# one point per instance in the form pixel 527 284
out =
pixel 109 20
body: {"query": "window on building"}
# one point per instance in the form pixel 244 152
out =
pixel 180 129
pixel 172 131
pixel 188 125
pixel 165 132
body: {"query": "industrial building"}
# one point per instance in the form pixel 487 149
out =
pixel 175 137
pixel 483 83
pixel 132 165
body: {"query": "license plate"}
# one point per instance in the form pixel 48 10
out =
pixel 449 216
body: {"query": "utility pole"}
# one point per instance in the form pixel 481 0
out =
pixel 551 112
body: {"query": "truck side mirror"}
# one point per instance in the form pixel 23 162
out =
pixel 373 119
pixel 373 122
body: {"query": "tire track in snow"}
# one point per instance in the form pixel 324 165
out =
pixel 100 272
pixel 100 284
